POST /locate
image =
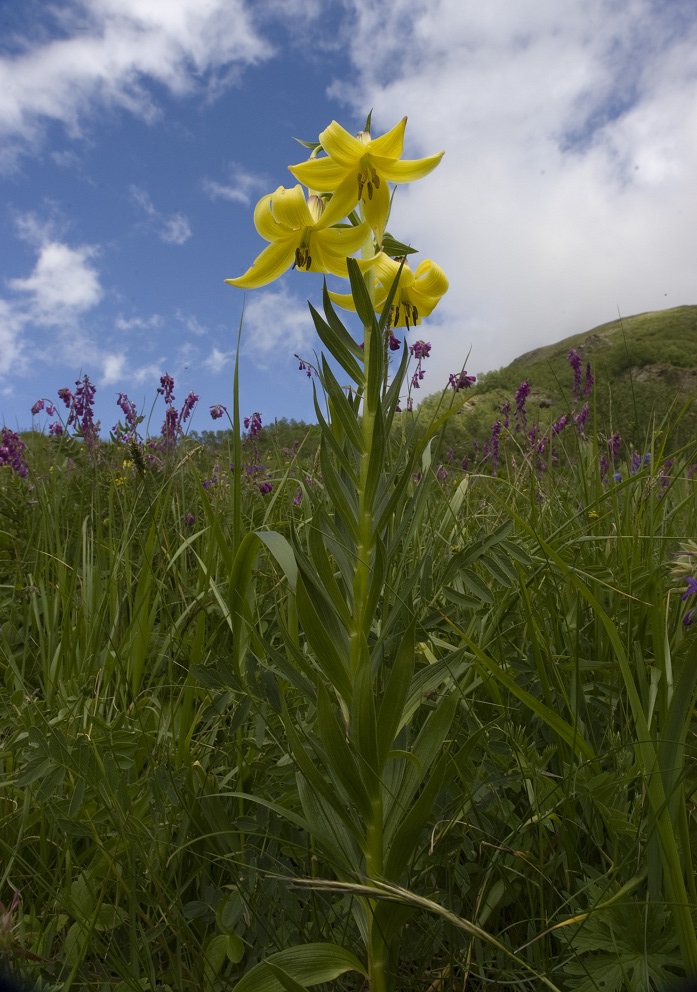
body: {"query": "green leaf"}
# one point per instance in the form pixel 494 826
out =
pixel 340 757
pixel 396 693
pixel 325 633
pixel 308 964
pixel 396 248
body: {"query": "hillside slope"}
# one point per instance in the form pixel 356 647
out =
pixel 645 370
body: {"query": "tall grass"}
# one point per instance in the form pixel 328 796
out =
pixel 425 732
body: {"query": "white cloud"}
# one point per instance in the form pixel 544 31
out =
pixel 108 53
pixel 138 323
pixel 191 323
pixel 239 189
pixel 63 284
pixel 567 188
pixel 173 229
pixel 114 367
pixel 275 321
pixel 216 361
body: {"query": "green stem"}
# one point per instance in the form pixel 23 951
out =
pixel 361 578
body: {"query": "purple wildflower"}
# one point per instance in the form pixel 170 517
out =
pixel 37 408
pixel 581 418
pixel 420 350
pixel 691 588
pixel 393 342
pixel 506 411
pixel 559 424
pixel 442 473
pixel 56 429
pixel 218 411
pixel 169 427
pixel 11 450
pixel 166 388
pixel 460 380
pixel 253 424
pixel 491 448
pixel 189 519
pixel 574 360
pixel 187 408
pixel 265 488
pixel 522 393
pixel 589 380
pixel 298 498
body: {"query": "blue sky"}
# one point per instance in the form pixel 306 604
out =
pixel 137 135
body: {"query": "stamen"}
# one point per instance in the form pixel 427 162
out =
pixel 376 180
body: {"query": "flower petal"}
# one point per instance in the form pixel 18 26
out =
pixel 290 209
pixel 321 174
pixel 330 249
pixel 343 239
pixel 376 209
pixel 264 220
pixel 343 201
pixel 343 300
pixel 405 171
pixel 346 150
pixel 270 264
pixel 390 144
pixel 387 269
pixel 430 279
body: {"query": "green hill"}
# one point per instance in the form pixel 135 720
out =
pixel 645 371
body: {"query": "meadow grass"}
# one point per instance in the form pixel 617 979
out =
pixel 378 720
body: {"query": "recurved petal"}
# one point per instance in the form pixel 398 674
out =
pixel 390 144
pixel 376 209
pixel 430 279
pixel 321 174
pixel 343 300
pixel 271 263
pixel 290 209
pixel 343 201
pixel 342 146
pixel 344 240
pixel 264 220
pixel 329 254
pixel 424 304
pixel 406 170
pixel 387 269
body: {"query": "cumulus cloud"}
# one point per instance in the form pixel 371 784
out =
pixel 192 323
pixel 275 322
pixel 240 187
pixel 138 323
pixel 173 229
pixel 113 368
pixel 216 361
pixel 567 188
pixel 110 52
pixel 62 285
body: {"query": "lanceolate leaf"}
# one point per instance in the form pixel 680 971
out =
pixel 308 964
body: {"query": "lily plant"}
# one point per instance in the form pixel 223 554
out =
pixel 376 758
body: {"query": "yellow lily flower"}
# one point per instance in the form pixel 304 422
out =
pixel 417 294
pixel 301 236
pixel 357 169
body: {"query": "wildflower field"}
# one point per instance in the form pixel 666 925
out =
pixel 358 710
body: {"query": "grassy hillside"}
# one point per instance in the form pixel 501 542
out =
pixel 645 370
